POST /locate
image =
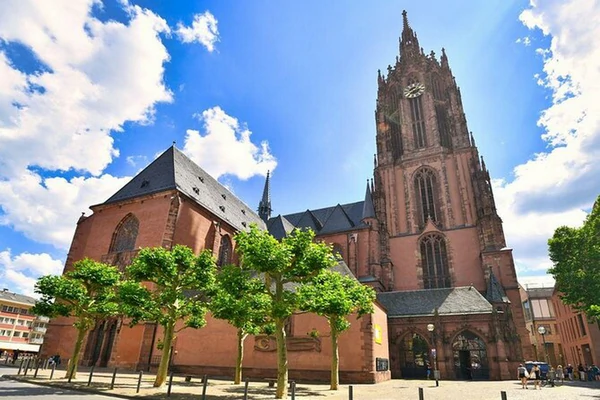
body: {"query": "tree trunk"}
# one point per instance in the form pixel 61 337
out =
pixel 240 357
pixel 72 367
pixel 163 367
pixel 282 364
pixel 335 358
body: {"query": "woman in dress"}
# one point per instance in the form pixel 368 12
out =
pixel 536 375
pixel 522 374
pixel 560 374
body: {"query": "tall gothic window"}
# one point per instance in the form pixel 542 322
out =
pixel 125 235
pixel 443 126
pixel 224 251
pixel 436 87
pixel 426 194
pixel 392 117
pixel 436 273
pixel 418 121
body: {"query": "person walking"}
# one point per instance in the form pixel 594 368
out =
pixel 570 372
pixel 536 375
pixel 560 374
pixel 522 374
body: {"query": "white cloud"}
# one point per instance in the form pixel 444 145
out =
pixel 203 30
pixel 226 147
pixel 94 76
pixel 135 161
pixel 557 185
pixel 525 40
pixel 47 210
pixel 19 273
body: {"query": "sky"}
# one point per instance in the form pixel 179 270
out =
pixel 92 91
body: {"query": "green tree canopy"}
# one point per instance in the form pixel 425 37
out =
pixel 168 286
pixel 575 253
pixel 86 293
pixel 294 260
pixel 335 297
pixel 241 299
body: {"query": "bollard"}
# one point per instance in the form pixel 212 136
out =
pixel 52 372
pixel 350 392
pixel 503 395
pixel 205 380
pixel 20 366
pixel 170 384
pixel 293 387
pixel 137 390
pixel 37 368
pixel 91 375
pixel 246 389
pixel 112 381
pixel 421 396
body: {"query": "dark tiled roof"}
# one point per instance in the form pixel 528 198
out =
pixel 459 300
pixel 495 292
pixel 174 170
pixel 19 298
pixel 338 218
pixel 279 227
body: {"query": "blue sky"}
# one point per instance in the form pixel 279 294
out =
pixel 92 91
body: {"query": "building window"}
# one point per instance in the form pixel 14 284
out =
pixel 436 87
pixel 443 126
pixel 418 121
pixel 527 310
pixel 581 325
pixel 125 235
pixel 224 251
pixel 434 258
pixel 338 251
pixel 426 191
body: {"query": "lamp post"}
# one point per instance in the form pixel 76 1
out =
pixel 436 373
pixel 542 331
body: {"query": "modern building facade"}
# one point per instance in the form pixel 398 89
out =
pixel 20 330
pixel 580 338
pixel 426 236
pixel 540 317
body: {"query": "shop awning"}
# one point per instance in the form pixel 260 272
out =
pixel 32 348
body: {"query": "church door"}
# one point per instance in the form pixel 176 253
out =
pixel 414 354
pixel 470 357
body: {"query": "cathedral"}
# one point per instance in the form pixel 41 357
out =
pixel 426 237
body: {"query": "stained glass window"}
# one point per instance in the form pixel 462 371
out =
pixel 125 235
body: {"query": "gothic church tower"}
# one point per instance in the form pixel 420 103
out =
pixel 438 224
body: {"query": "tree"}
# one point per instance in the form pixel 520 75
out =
pixel 242 300
pixel 86 293
pixel 168 286
pixel 575 253
pixel 294 260
pixel 335 296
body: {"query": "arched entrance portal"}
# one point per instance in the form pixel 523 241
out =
pixel 414 351
pixel 470 357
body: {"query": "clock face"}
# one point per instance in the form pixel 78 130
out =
pixel 414 90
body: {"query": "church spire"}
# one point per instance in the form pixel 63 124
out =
pixel 264 207
pixel 409 44
pixel 368 209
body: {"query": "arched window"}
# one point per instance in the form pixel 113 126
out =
pixel 125 235
pixel 417 117
pixel 436 87
pixel 224 251
pixel 338 252
pixel 434 258
pixel 426 196
pixel 414 354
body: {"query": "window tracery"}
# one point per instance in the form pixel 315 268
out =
pixel 224 251
pixel 434 258
pixel 125 235
pixel 426 194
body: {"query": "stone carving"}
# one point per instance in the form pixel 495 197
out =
pixel 268 343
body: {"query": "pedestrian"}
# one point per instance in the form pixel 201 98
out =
pixel 570 372
pixel 536 375
pixel 523 375
pixel 428 367
pixel 560 374
pixel 581 370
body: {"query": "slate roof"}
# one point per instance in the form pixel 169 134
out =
pixel 448 301
pixel 279 227
pixel 18 298
pixel 339 218
pixel 174 170
pixel 495 292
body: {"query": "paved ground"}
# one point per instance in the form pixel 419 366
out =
pixel 392 390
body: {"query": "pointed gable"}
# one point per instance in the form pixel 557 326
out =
pixel 279 227
pixel 174 170
pixel 308 220
pixel 338 221
pixel 368 209
pixel 495 292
